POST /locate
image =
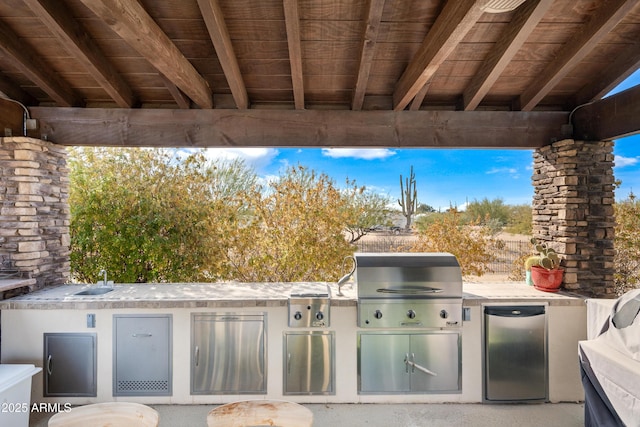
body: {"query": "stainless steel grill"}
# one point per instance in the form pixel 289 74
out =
pixel 410 309
pixel 409 290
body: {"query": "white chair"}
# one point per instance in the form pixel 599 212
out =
pixel 108 414
pixel 260 413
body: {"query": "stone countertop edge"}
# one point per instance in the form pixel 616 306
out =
pixel 245 295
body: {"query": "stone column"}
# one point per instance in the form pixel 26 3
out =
pixel 34 209
pixel 573 211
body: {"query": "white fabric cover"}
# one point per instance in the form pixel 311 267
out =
pixel 615 358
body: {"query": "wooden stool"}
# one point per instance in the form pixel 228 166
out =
pixel 111 414
pixel 260 413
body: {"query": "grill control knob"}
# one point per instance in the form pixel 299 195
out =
pixel 319 315
pixel 297 315
pixel 411 314
pixel 444 314
pixel 377 314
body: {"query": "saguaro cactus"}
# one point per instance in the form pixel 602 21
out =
pixel 408 198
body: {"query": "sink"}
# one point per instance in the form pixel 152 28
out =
pixel 94 291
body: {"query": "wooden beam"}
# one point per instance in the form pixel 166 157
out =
pixel 11 119
pixel 419 98
pixel 615 73
pixel 130 21
pixel 610 118
pixel 30 63
pixel 523 23
pixel 292 21
pixel 214 20
pixel 298 128
pixel 12 91
pixel 181 99
pixel 56 16
pixel 369 39
pixel 591 33
pixel 453 23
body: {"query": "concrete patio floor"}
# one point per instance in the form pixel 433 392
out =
pixel 407 415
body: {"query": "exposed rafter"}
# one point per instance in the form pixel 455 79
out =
pixel 40 73
pixel 453 23
pixel 617 71
pixel 292 21
pixel 12 91
pixel 370 36
pixel 76 41
pixel 605 19
pixel 304 128
pixel 127 19
pixel 181 99
pixel 213 18
pixel 523 23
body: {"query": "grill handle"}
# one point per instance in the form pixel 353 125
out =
pixel 409 291
pixel 415 366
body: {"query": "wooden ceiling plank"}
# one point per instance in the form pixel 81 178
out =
pixel 615 73
pixel 214 20
pixel 130 21
pixel 369 39
pixel 304 128
pixel 610 118
pixel 30 63
pixel 292 21
pixel 77 42
pixel 12 91
pixel 523 23
pixel 579 46
pixel 452 24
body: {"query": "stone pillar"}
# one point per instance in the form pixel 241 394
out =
pixel 34 209
pixel 573 211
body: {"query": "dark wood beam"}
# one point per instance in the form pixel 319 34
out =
pixel 298 128
pixel 419 98
pixel 292 21
pixel 214 20
pixel 130 21
pixel 590 34
pixel 369 38
pixel 30 63
pixel 12 91
pixel 11 118
pixel 523 23
pixel 618 71
pixel 610 118
pixel 57 18
pixel 453 23
pixel 181 99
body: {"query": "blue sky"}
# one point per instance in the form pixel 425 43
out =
pixel 444 177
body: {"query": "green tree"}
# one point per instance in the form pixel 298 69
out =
pixel 520 219
pixel 296 231
pixel 627 245
pixel 365 208
pixel 146 215
pixel 488 211
pixel 472 244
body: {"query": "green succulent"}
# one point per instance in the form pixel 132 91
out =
pixel 548 258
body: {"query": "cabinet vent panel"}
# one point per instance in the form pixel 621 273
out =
pixel 143 386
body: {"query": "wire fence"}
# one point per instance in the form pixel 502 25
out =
pixel 505 256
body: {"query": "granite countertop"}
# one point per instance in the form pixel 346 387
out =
pixel 235 294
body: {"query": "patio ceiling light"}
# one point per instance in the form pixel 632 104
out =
pixel 500 6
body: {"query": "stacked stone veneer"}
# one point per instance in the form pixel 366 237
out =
pixel 34 208
pixel 573 211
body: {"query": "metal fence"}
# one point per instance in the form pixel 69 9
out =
pixel 505 256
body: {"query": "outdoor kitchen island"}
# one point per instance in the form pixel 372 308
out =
pixel 174 309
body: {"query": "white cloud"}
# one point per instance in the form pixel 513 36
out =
pixel 358 153
pixel 510 171
pixel 256 157
pixel 621 161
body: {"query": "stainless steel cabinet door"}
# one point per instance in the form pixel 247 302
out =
pixel 70 364
pixel 309 363
pixel 228 354
pixel 142 355
pixel 436 362
pixel 382 366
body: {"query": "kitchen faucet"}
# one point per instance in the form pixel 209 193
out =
pixel 103 272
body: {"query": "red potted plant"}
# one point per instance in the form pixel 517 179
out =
pixel 547 274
